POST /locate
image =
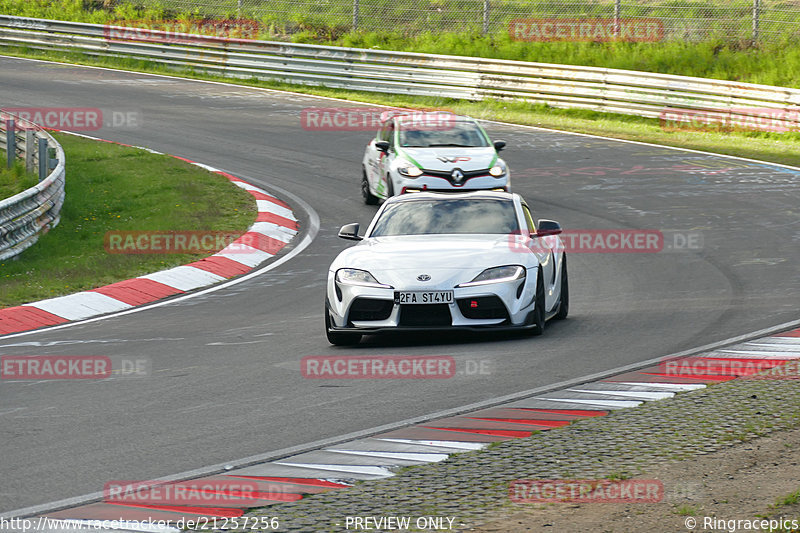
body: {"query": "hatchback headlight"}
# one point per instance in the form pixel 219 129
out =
pixel 408 169
pixel 354 276
pixel 502 274
pixel 499 170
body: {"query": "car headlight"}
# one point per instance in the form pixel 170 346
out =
pixel 408 169
pixel 354 276
pixel 501 274
pixel 499 170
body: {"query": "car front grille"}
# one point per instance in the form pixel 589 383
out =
pixel 370 309
pixel 483 307
pixel 433 315
pixel 429 189
pixel 447 174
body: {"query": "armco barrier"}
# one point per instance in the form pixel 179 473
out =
pixel 25 216
pixel 600 89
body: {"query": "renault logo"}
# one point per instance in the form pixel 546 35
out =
pixel 457 175
pixel 423 277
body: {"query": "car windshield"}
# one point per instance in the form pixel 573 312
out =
pixel 427 217
pixel 454 133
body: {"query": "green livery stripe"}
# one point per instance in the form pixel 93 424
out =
pixel 405 154
pixel 486 135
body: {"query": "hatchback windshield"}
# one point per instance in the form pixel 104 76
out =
pixel 426 217
pixel 457 133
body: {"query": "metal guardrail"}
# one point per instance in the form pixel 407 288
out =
pixel 599 89
pixel 33 212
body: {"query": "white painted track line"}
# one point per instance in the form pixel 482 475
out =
pixel 80 305
pixel 184 278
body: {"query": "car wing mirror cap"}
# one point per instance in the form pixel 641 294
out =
pixel 350 232
pixel 548 227
pixel 382 146
pixel 499 145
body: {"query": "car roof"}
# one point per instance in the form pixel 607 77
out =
pixel 414 117
pixel 487 195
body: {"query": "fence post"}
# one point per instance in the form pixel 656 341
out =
pixel 44 156
pixel 11 142
pixel 617 8
pixel 486 7
pixel 29 149
pixel 756 16
pixel 355 15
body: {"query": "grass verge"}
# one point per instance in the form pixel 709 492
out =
pixel 116 188
pixel 783 148
pixel 15 179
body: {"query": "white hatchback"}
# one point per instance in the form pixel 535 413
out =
pixel 434 152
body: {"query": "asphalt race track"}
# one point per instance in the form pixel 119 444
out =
pixel 226 379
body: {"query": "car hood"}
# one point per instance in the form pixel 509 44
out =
pixel 447 158
pixel 447 259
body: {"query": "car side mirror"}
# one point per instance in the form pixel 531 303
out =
pixel 548 227
pixel 499 145
pixel 350 232
pixel 382 146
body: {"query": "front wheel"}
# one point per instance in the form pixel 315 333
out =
pixel 369 198
pixel 538 311
pixel 563 304
pixel 389 187
pixel 339 338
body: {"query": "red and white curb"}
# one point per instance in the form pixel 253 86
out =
pixel 379 456
pixel 274 228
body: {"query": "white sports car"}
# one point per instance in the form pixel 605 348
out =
pixel 433 261
pixel 431 152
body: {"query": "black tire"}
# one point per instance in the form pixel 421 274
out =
pixel 338 338
pixel 389 187
pixel 539 313
pixel 563 303
pixel 369 198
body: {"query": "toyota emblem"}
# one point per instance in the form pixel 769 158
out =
pixel 423 277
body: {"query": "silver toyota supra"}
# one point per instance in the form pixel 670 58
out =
pixel 442 261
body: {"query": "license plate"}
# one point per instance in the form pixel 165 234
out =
pixel 423 297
